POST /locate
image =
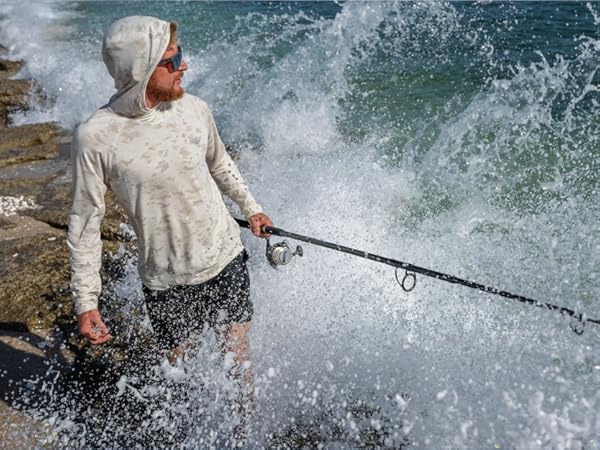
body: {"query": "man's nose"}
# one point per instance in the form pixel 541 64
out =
pixel 183 66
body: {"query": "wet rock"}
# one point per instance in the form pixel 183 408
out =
pixel 33 153
pixel 34 281
pixel 13 96
pixel 53 204
pixel 29 143
pixel 9 68
pixel 47 169
pixel 17 95
pixel 47 182
pixel 13 93
pixel 6 224
pixel 20 227
pixel 30 135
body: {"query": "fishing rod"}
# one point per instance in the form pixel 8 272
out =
pixel 281 254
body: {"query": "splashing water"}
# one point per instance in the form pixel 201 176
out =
pixel 448 135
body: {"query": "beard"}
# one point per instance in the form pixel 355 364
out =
pixel 162 94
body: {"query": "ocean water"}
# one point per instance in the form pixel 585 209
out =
pixel 459 136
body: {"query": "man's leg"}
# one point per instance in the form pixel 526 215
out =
pixel 234 339
pixel 171 319
pixel 178 352
pixel 229 296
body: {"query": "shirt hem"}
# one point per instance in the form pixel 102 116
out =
pixel 194 279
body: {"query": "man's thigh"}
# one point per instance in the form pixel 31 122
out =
pixel 175 313
pixel 228 295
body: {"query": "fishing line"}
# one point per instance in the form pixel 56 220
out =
pixel 409 281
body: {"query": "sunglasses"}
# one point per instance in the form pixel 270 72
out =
pixel 174 60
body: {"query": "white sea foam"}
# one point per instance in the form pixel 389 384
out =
pixel 69 70
pixel 10 206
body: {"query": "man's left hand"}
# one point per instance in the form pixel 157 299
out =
pixel 257 222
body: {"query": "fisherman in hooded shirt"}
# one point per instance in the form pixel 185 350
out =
pixel 159 151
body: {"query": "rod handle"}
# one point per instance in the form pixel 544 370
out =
pixel 244 224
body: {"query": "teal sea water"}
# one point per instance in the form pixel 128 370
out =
pixel 459 136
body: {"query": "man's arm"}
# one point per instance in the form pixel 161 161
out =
pixel 229 179
pixel 83 238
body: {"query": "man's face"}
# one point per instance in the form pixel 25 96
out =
pixel 165 83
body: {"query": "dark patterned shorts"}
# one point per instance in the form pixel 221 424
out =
pixel 180 310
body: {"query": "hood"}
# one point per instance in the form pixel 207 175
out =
pixel 132 48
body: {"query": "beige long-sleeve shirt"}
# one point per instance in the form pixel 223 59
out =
pixel 167 166
pixel 168 170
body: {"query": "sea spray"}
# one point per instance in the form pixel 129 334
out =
pixel 444 134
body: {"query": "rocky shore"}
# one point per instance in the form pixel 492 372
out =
pixel 37 321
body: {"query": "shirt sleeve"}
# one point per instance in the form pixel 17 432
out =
pixel 226 174
pixel 87 211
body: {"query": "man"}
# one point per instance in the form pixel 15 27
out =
pixel 159 151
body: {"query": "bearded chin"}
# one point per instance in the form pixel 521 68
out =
pixel 167 95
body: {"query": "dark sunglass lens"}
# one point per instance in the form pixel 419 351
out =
pixel 176 60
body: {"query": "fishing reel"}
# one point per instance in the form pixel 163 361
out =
pixel 281 254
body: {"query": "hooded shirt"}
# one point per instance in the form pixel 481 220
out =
pixel 167 167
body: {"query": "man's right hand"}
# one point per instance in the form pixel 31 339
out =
pixel 93 328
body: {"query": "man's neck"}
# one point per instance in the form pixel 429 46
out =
pixel 150 102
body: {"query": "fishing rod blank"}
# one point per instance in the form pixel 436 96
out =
pixel 408 282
